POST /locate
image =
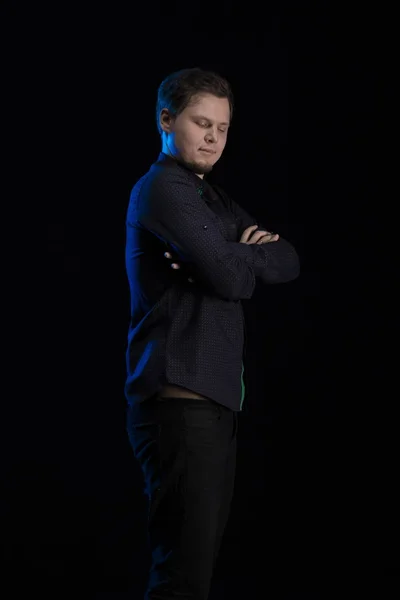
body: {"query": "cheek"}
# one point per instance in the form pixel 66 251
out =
pixel 221 144
pixel 189 140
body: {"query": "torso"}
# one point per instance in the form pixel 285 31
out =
pixel 176 391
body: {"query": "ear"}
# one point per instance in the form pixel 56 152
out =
pixel 166 120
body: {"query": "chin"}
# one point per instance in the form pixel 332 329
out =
pixel 198 167
pixel 202 168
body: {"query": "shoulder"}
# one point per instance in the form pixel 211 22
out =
pixel 166 184
pixel 168 180
pixel 168 173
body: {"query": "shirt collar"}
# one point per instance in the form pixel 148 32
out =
pixel 204 189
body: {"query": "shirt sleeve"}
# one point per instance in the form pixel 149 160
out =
pixel 275 262
pixel 169 206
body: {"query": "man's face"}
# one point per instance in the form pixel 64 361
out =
pixel 197 136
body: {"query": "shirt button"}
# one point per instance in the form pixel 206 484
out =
pixel 204 226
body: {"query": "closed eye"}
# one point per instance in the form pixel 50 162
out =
pixel 205 124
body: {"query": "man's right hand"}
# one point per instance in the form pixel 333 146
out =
pixel 259 237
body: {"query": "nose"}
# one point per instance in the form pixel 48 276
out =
pixel 212 135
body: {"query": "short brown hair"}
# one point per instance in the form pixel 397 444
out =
pixel 176 91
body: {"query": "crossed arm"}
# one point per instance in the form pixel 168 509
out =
pixel 168 206
pixel 251 235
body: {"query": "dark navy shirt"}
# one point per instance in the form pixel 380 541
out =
pixel 183 333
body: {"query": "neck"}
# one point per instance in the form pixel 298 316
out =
pixel 165 150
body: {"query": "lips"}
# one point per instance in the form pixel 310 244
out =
pixel 208 151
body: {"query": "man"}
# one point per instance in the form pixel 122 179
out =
pixel 187 334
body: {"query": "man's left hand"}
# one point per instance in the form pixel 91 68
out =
pixel 176 265
pixel 269 237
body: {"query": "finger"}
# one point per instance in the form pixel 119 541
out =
pixel 272 237
pixel 260 233
pixel 269 238
pixel 251 231
pixel 257 235
pixel 269 235
pixel 167 255
pixel 247 233
pixel 191 280
pixel 263 232
pixel 263 239
pixel 175 266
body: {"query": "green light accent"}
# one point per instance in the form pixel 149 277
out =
pixel 243 388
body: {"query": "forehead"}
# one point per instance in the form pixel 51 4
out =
pixel 209 106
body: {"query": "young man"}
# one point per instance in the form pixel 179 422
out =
pixel 187 333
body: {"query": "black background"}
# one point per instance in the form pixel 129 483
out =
pixel 304 155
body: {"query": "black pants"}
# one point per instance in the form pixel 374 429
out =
pixel 187 452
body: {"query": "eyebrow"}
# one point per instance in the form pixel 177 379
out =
pixel 207 119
